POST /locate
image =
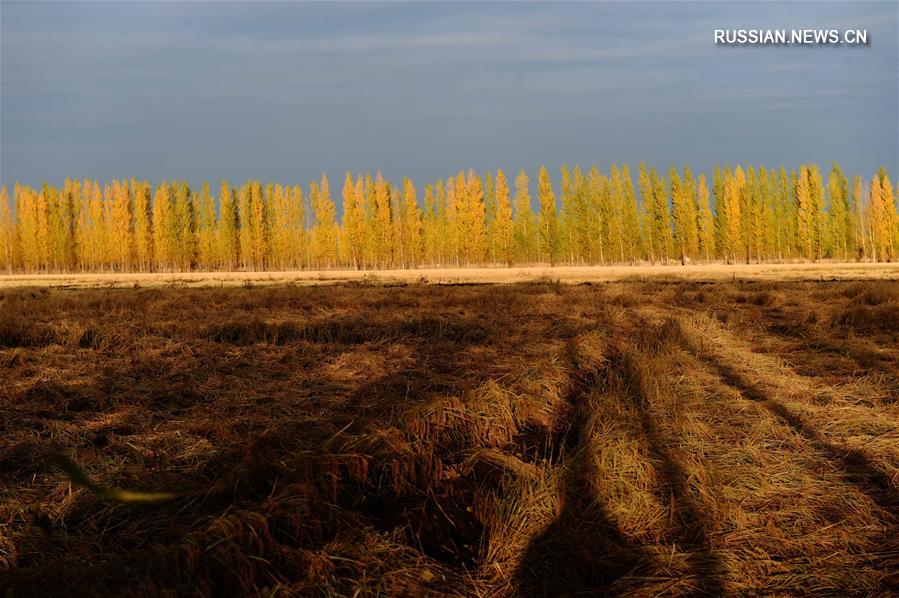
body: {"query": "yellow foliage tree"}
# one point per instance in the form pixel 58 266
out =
pixel 7 232
pixel 162 227
pixel 412 226
pixel 502 224
pixel 353 221
pixel 143 226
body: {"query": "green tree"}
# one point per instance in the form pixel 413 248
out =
pixel 524 227
pixel 548 219
pixel 229 226
pixel 683 214
pixel 504 240
pixel 839 213
pixel 631 230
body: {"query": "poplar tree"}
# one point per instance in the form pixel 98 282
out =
pixel 646 201
pixel 718 184
pixel 184 224
pixel 370 209
pixel 143 226
pixel 83 232
pixel 259 225
pixel 490 215
pixel 121 228
pixel 26 227
pixel 839 213
pixel 789 221
pixel 768 183
pixel 859 238
pixel 661 214
pixel 751 216
pixel 810 214
pixel 524 227
pixel 281 228
pixel 706 225
pixel 60 231
pixel 631 219
pixel 619 208
pixel 162 227
pixel 598 217
pixel 816 186
pixel 7 232
pixel 206 229
pixel 229 226
pixel 451 192
pixel 462 218
pixel 383 226
pixel 876 218
pixel 567 243
pixel 297 225
pixel 683 214
pixel 442 222
pixel 502 226
pixel 246 233
pixel 430 227
pixel 474 226
pixel 412 226
pixel 655 214
pixel 99 227
pixel 353 220
pixel 730 232
pixel 883 217
pixel 324 233
pixel 548 219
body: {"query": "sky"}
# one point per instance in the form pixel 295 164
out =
pixel 286 91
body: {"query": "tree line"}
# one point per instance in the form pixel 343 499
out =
pixel 742 215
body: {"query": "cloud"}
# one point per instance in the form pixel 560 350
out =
pixel 297 88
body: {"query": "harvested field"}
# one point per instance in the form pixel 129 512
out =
pixel 647 439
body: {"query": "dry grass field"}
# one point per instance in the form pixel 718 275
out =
pixel 567 274
pixel 633 438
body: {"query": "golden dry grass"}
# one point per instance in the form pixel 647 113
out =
pixel 649 439
pixel 567 274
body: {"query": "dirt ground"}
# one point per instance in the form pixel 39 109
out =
pixel 566 274
pixel 627 438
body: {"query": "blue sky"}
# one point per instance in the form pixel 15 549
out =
pixel 285 91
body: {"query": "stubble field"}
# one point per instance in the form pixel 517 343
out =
pixel 648 439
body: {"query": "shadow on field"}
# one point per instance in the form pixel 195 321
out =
pixel 582 552
pixel 629 374
pixel 856 468
pixel 306 442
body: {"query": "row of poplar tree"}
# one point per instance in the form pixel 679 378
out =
pixel 751 215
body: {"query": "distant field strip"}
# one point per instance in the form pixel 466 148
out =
pixel 566 274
